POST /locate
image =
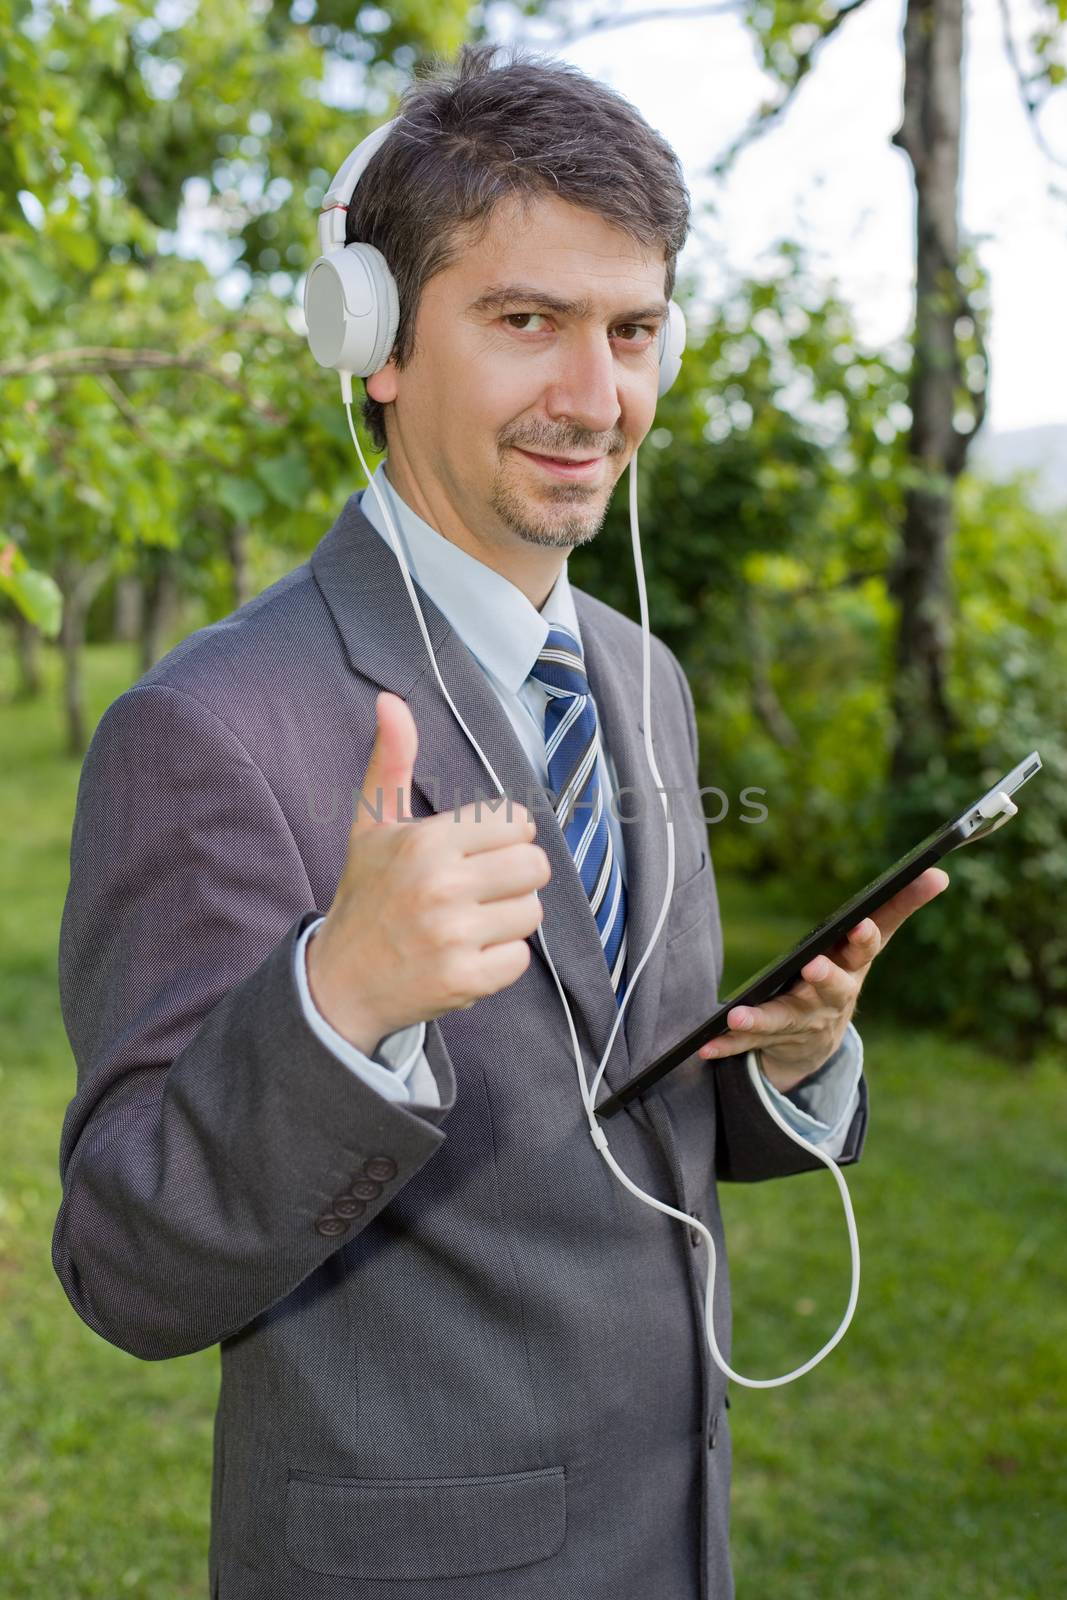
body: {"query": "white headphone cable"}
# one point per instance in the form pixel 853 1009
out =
pixel 588 1093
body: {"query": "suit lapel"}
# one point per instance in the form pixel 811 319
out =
pixel 363 586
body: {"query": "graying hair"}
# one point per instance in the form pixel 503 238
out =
pixel 499 122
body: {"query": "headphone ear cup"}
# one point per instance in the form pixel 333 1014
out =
pixel 352 310
pixel 671 345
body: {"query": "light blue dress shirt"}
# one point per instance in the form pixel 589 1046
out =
pixel 505 632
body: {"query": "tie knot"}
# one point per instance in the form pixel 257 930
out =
pixel 560 667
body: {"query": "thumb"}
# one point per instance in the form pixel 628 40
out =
pixel 386 789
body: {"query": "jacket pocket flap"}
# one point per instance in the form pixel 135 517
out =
pixel 413 1528
pixel 691 902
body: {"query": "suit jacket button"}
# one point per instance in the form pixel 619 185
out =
pixel 713 1431
pixel 695 1237
pixel 381 1167
pixel 346 1205
pixel 329 1225
pixel 365 1188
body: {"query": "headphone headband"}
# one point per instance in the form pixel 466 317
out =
pixel 333 216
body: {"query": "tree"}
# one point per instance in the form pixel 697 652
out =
pixel 145 413
pixel 949 362
pixel 950 366
pixel 941 430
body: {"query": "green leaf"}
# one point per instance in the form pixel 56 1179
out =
pixel 29 273
pixel 80 248
pixel 37 597
pixel 287 477
pixel 242 497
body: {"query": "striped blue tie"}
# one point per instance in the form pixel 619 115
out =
pixel 572 746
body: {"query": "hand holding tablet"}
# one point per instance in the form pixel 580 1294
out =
pixel 988 813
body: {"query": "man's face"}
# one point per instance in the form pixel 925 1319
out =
pixel 566 366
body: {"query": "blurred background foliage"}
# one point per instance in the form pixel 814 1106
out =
pixel 170 448
pixel 768 534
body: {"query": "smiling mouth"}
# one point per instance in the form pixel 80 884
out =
pixel 563 466
pixel 563 461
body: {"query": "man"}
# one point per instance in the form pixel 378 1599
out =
pixel 458 1357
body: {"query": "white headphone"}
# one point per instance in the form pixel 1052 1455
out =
pixel 351 305
pixel 352 312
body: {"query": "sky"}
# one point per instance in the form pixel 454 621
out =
pixel 828 175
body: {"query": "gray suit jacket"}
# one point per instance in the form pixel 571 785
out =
pixel 458 1358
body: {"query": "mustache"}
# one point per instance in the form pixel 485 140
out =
pixel 567 445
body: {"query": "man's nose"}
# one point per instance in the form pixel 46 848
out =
pixel 585 388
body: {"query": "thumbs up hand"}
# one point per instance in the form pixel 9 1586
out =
pixel 428 916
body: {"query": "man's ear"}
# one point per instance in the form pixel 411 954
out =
pixel 382 385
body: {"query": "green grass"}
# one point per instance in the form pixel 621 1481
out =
pixel 924 1457
pixel 106 1460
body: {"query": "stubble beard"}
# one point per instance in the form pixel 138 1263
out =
pixel 573 514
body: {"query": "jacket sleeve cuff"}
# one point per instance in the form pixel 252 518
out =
pixel 396 1057
pixel 822 1108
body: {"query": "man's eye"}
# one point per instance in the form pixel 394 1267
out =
pixel 638 328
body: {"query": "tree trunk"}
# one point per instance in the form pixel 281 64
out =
pixel 765 702
pixel 78 584
pixel 129 606
pixel 28 656
pixel 160 605
pixel 919 582
pixel 237 550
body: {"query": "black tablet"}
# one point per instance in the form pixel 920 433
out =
pixel 983 817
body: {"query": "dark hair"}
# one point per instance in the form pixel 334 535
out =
pixel 482 129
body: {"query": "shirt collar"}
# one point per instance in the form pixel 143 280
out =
pixel 495 620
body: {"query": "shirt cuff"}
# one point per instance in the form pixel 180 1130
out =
pixel 398 1051
pixel 821 1108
